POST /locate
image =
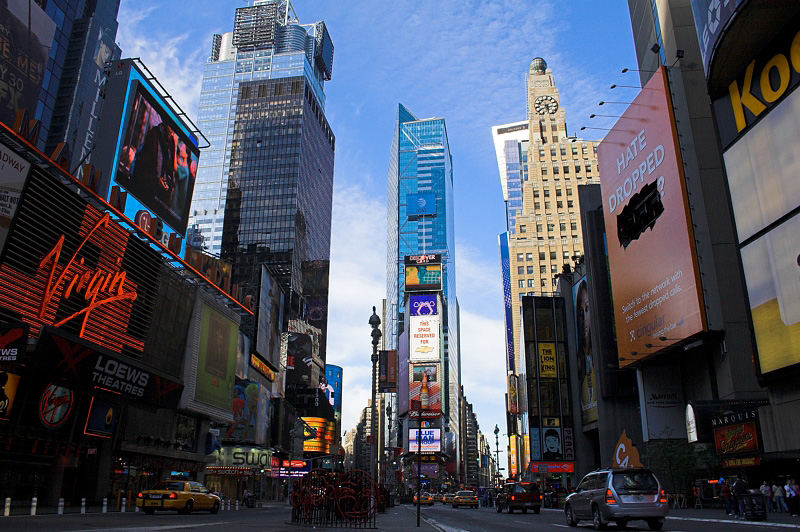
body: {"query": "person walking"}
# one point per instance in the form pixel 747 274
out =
pixel 766 491
pixel 779 495
pixel 726 498
pixel 791 496
pixel 739 492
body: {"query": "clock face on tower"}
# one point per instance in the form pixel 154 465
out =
pixel 545 104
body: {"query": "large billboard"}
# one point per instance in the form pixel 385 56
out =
pixel 654 276
pixel 424 338
pixel 422 204
pixel 586 377
pixel 387 371
pixel 711 19
pixel 216 362
pixel 423 305
pixel 270 319
pixel 423 272
pixel 324 437
pixel 425 391
pixel 429 442
pixel 27 33
pixel 13 176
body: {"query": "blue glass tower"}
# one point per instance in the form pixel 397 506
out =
pixel 421 168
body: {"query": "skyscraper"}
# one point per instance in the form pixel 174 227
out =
pixel 264 187
pixel 420 221
pixel 540 168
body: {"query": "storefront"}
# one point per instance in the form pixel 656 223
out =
pixel 240 468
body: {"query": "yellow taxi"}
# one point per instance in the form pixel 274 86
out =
pixel 465 498
pixel 449 498
pixel 438 497
pixel 179 495
pixel 425 498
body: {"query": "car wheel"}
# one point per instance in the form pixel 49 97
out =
pixel 188 508
pixel 597 519
pixel 570 515
pixel 655 524
pixel 537 510
pixel 149 511
pixel 215 508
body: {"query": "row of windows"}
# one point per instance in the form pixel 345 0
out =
pixel 559 193
pixel 565 169
pixel 543 282
pixel 559 204
pixel 550 227
pixel 563 150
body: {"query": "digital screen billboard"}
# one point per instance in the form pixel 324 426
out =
pixel 270 319
pixel 586 377
pixel 425 391
pixel 430 441
pixel 216 363
pixel 423 272
pixel 654 276
pixel 325 436
pixel 245 405
pixel 333 390
pixel 423 305
pixel 424 338
pixel 157 160
pixel 27 33
pixel 422 204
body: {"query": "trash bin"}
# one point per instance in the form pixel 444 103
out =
pixel 755 506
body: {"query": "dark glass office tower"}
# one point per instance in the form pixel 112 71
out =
pixel 280 191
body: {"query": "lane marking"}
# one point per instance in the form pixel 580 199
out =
pixel 148 528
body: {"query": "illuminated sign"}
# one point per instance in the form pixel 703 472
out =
pixel 13 176
pixel 261 367
pixel 102 419
pixel 654 276
pixel 13 342
pixel 736 439
pixel 9 382
pixel 424 338
pixel 423 304
pixel 553 467
pixel 422 204
pixel 423 272
pixel 55 405
pixel 325 435
pixel 425 391
pixel 431 258
pixel 547 360
pixel 430 441
pixel 711 19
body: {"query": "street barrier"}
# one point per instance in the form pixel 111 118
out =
pixel 83 505
pixel 34 502
pixel 7 509
pixel 60 506
pixel 124 504
pixel 105 505
pixel 333 499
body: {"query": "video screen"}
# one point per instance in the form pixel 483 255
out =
pixel 157 161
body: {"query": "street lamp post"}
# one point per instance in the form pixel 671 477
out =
pixel 389 453
pixel 419 459
pixel 374 322
pixel 497 447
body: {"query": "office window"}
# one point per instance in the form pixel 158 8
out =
pixel 563 150
pixel 544 170
pixel 552 255
pixel 538 228
pixel 530 270
pixel 546 204
pixel 529 256
pixel 562 227
pixel 566 254
pixel 520 270
pixel 544 282
pixel 555 282
pixel 541 152
pixel 553 268
pixel 573 226
pixel 551 227
pixel 536 205
pixel 546 193
pixel 574 150
pixel 566 169
pixel 542 269
pixel 535 193
pixel 520 257
pixel 569 203
pixel 521 283
pixel 531 283
pixel 553 151
pixel 555 170
pixel 577 169
pixel 555 138
pixel 559 204
pixel 523 229
pixel 558 192
pixel 569 192
pixel 541 255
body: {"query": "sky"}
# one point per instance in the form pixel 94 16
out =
pixel 463 60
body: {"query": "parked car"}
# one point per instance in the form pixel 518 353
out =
pixel 618 495
pixel 425 498
pixel 449 498
pixel 438 497
pixel 465 498
pixel 519 496
pixel 178 495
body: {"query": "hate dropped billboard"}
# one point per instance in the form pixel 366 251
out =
pixel 651 252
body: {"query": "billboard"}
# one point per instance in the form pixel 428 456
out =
pixel 661 404
pixel 333 375
pixel 711 18
pixel 27 33
pixel 548 367
pixel 654 277
pixel 245 408
pixel 326 435
pixel 387 371
pixel 270 319
pixel 299 359
pixel 586 377
pixel 9 382
pixel 425 391
pixel 13 342
pixel 421 204
pixel 157 161
pixel 423 272
pixel 424 338
pixel 13 176
pixel 216 362
pixel 505 259
pixel 102 418
pixel 430 441
pixel 423 305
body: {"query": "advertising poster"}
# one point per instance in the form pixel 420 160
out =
pixel 299 359
pixel 157 162
pixel 424 338
pixel 333 374
pixel 431 440
pixel 217 359
pixel 711 19
pixel 552 444
pixel 568 444
pixel 387 371
pixel 735 439
pixel 13 175
pixel 8 391
pixel 661 403
pixel 421 204
pixel 403 381
pixel 423 304
pixel 505 259
pixel 536 444
pixel 270 319
pixel 246 399
pixel 586 377
pixel 326 433
pixel 102 418
pixel 24 57
pixel 654 277
pixel 423 272
pixel 186 432
pixel 513 395
pixel 512 457
pixel 548 364
pixel 425 391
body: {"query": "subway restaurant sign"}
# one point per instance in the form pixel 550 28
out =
pixel 765 81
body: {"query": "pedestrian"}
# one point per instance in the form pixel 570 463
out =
pixel 766 491
pixel 726 498
pixel 779 495
pixel 739 491
pixel 791 496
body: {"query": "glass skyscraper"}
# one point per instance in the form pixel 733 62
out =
pixel 420 164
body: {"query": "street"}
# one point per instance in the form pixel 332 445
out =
pixel 439 518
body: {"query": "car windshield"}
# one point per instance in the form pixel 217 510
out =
pixel 528 488
pixel 635 482
pixel 465 494
pixel 173 486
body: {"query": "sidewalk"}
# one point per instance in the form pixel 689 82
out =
pixel 719 514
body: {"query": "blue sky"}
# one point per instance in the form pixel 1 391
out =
pixel 463 60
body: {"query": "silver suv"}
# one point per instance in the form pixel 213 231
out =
pixel 618 495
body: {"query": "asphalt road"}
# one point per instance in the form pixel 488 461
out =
pixel 439 518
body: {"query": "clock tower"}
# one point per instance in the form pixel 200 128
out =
pixel 544 104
